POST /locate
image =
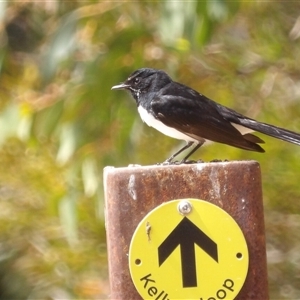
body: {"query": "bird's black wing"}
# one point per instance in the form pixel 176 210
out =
pixel 198 117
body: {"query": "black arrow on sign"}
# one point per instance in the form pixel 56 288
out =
pixel 187 234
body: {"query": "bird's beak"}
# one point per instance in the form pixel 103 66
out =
pixel 120 86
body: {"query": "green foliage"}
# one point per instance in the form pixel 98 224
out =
pixel 61 124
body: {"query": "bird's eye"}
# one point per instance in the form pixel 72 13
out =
pixel 136 80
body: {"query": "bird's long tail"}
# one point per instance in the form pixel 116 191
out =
pixel 271 130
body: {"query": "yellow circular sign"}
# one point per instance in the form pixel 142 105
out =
pixel 188 249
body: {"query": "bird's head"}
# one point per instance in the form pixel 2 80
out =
pixel 144 80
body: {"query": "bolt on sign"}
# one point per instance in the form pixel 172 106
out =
pixel 188 249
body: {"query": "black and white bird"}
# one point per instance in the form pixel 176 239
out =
pixel 182 113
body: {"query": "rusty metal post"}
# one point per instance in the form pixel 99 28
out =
pixel 130 193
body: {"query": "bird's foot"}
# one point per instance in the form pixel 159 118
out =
pixel 219 160
pixel 169 162
pixel 166 163
pixel 189 162
pixel 181 162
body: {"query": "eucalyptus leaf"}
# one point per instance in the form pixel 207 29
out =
pixel 90 176
pixel 9 119
pixel 62 44
pixel 68 217
pixel 67 143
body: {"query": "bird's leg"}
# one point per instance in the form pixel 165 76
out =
pixel 200 143
pixel 188 145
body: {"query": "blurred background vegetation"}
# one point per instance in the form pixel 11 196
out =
pixel 61 124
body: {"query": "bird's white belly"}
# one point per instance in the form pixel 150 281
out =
pixel 158 125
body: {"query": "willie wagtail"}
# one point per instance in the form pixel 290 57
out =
pixel 182 113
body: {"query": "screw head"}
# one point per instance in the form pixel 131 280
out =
pixel 184 207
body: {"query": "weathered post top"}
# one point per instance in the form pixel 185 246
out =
pixel 132 192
